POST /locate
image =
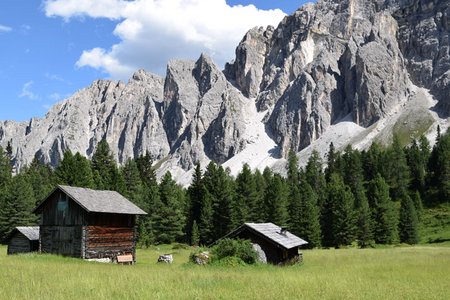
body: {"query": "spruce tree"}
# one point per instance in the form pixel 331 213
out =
pixel 275 200
pixel 384 213
pixel 197 194
pixel 409 224
pixel 5 170
pixel 397 171
pixel 245 204
pixel 372 162
pixel 315 177
pixel 365 224
pixel 74 170
pixel 169 219
pixel 195 235
pixel 439 166
pixel 17 207
pixel 104 168
pixel 341 228
pixel 417 165
pixel 418 205
pixel 307 219
pixel 41 177
pixel 220 189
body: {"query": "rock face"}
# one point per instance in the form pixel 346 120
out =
pixel 337 59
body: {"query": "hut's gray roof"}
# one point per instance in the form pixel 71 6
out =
pixel 273 233
pixel 31 233
pixel 100 201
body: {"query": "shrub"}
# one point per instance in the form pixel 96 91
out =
pixel 241 249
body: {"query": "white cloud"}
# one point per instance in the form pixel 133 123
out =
pixel 155 31
pixel 27 93
pixel 4 28
pixel 55 96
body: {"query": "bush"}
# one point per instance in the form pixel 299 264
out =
pixel 241 249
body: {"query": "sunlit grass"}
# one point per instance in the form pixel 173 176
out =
pixel 395 273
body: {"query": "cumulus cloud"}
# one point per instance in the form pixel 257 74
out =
pixel 152 32
pixel 27 93
pixel 4 28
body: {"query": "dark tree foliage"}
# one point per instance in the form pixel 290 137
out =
pixel 220 190
pixel 169 219
pixel 307 219
pixel 439 171
pixel 197 197
pixel 41 177
pixel 275 200
pixel 315 177
pixel 418 165
pixel 17 205
pixel 245 204
pixel 384 213
pixel 397 171
pixel 372 160
pixel 340 226
pixel 104 168
pixel 409 224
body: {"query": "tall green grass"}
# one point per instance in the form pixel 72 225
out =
pixel 395 273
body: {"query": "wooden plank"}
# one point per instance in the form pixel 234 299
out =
pixel 128 258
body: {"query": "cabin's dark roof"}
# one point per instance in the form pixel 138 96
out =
pixel 31 233
pixel 99 201
pixel 273 233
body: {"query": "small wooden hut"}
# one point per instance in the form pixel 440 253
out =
pixel 88 224
pixel 273 243
pixel 23 240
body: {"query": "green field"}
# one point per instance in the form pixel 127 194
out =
pixel 394 273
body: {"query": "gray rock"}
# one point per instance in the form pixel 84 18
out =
pixel 165 258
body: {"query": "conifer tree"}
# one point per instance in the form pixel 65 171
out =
pixel 372 162
pixel 195 235
pixel 439 166
pixel 261 185
pixel 331 163
pixel 134 189
pixel 245 203
pixel 417 165
pixel 276 202
pixel 41 178
pixel 104 168
pixel 384 213
pixel 206 226
pixel 168 216
pixel 341 225
pixel 5 170
pixel 418 205
pixel 397 171
pixel 408 225
pixel 315 177
pixel 17 206
pixel 197 197
pixel 74 170
pixel 219 187
pixel 307 219
pixel 364 223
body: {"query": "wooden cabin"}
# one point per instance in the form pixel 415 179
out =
pixel 273 243
pixel 23 240
pixel 88 224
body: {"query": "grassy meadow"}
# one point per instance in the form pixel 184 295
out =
pixel 419 272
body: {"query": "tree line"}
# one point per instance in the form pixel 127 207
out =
pixel 367 197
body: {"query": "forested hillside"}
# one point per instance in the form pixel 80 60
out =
pixel 370 197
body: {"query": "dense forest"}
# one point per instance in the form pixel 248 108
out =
pixel 366 197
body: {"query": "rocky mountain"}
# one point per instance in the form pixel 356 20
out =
pixel 353 68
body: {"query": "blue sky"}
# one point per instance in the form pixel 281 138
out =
pixel 51 49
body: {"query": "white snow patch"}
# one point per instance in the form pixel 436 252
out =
pixel 261 150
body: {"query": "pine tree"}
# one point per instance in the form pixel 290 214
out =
pixel 397 171
pixel 5 170
pixel 168 216
pixel 261 185
pixel 197 194
pixel 104 168
pixel 275 200
pixel 307 219
pixel 408 225
pixel 417 165
pixel 17 206
pixel 372 162
pixel 245 204
pixel 315 177
pixel 384 213
pixel 206 226
pixel 439 166
pixel 74 170
pixel 134 189
pixel 219 187
pixel 331 163
pixel 41 178
pixel 418 205
pixel 195 235
pixel 341 228
pixel 364 223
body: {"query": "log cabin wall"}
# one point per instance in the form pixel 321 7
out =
pixel 19 244
pixel 61 226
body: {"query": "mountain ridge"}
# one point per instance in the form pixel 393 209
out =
pixel 352 60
